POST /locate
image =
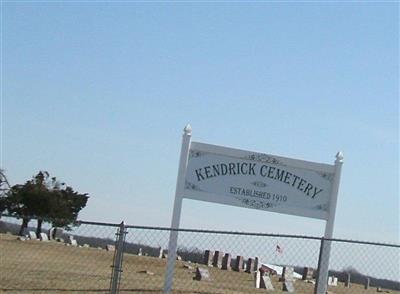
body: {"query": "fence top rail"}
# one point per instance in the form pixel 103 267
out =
pixel 263 235
pixel 362 242
pixel 79 222
pixel 223 232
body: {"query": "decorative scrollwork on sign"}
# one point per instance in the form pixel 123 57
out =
pixel 259 184
pixel 256 203
pixel 323 207
pixel 327 176
pixel 190 186
pixel 264 158
pixel 195 153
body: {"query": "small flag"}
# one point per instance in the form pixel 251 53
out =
pixel 279 249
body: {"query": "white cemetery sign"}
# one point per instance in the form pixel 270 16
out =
pixel 253 180
pixel 260 181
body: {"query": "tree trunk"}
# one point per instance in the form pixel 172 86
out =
pixel 54 233
pixel 24 225
pixel 39 227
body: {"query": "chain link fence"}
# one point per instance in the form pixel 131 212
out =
pixel 110 258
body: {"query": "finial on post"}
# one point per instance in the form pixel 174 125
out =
pixel 339 156
pixel 187 130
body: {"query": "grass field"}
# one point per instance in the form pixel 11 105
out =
pixel 51 267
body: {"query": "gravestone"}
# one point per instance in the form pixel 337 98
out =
pixel 110 247
pixel 86 246
pixel 308 273
pixel 347 282
pixel 366 285
pixel 265 283
pixel 140 253
pixel 32 235
pixel 257 279
pixel 73 242
pixel 226 262
pixel 208 257
pixel 202 274
pixel 287 274
pixel 50 233
pixel 218 256
pixel 43 237
pixel 69 240
pixel 147 272
pixel 59 233
pixel 288 286
pixel 335 281
pixel 250 265
pixel 188 266
pixel 239 263
pixel 332 281
pixel 160 253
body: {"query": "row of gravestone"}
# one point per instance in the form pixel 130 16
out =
pixel 223 261
pixel 261 279
pixel 32 236
pixel 347 282
pixel 162 253
pixel 70 241
pixel 308 274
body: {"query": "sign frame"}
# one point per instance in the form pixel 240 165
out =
pixel 180 194
pixel 322 172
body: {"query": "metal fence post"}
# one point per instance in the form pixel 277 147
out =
pixel 321 284
pixel 117 262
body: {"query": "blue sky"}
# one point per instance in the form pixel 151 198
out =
pixel 97 93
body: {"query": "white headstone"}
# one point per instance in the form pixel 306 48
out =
pixel 74 242
pixel 265 283
pixel 51 233
pixel 332 281
pixel 110 247
pixel 348 281
pixel 257 278
pixel 188 266
pixel 43 237
pixel 202 274
pixel 140 252
pixel 287 274
pixel 366 284
pixel 32 235
pixel 288 286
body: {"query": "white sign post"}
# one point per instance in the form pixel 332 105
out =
pixel 254 180
pixel 176 214
pixel 323 268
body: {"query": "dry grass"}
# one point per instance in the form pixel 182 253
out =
pixel 51 267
